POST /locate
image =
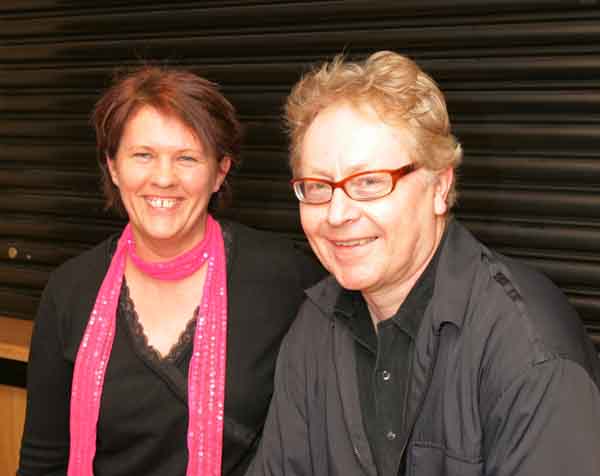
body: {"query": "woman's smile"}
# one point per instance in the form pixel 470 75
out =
pixel 165 179
pixel 161 203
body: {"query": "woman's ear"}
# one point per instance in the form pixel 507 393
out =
pixel 443 184
pixel 224 166
pixel 112 169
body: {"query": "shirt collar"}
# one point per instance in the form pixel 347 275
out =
pixel 350 305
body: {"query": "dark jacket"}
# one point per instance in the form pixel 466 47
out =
pixel 142 426
pixel 503 381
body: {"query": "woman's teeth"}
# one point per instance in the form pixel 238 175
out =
pixel 162 202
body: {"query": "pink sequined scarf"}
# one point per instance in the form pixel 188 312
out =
pixel 206 377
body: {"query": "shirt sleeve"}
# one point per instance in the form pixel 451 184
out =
pixel 311 271
pixel 284 448
pixel 45 444
pixel 547 422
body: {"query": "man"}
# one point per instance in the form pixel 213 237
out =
pixel 425 353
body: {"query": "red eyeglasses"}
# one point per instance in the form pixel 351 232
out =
pixel 363 186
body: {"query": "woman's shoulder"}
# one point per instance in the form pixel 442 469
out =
pixel 254 236
pixel 84 270
pixel 70 294
pixel 256 243
pixel 270 253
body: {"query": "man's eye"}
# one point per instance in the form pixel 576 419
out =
pixel 313 188
pixel 369 181
pixel 188 158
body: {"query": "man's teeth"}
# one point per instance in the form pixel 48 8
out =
pixel 364 241
pixel 162 202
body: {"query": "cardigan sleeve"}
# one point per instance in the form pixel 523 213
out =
pixel 546 422
pixel 45 444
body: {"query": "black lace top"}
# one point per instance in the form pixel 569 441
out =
pixel 181 348
pixel 127 310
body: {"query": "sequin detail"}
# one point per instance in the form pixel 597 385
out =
pixel 206 376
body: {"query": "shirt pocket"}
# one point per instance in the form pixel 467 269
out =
pixel 425 459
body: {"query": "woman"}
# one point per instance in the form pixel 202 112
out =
pixel 153 353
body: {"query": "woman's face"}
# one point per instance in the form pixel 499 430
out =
pixel 165 177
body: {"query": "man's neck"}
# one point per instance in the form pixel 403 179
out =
pixel 383 304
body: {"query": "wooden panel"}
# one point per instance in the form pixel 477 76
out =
pixel 13 401
pixel 15 338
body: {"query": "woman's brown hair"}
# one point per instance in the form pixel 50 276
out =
pixel 195 101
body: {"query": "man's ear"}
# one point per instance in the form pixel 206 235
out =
pixel 443 183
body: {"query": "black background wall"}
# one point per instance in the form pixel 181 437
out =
pixel 521 77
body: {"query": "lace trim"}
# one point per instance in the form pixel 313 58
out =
pixel 184 343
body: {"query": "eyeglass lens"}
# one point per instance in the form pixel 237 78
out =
pixel 361 187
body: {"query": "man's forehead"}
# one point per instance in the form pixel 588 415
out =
pixel 352 140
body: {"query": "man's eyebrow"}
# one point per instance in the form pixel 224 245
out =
pixel 356 168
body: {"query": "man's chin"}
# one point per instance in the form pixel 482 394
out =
pixel 352 282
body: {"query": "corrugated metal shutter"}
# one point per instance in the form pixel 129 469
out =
pixel 522 80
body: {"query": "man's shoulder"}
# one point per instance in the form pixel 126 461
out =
pixel 504 293
pixel 541 309
pixel 511 316
pixel 519 319
pixel 517 323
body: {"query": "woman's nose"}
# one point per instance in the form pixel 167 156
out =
pixel 164 173
pixel 342 208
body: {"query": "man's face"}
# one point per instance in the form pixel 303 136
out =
pixel 372 246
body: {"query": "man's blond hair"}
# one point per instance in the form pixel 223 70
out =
pixel 394 87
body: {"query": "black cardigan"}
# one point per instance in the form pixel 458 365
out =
pixel 143 416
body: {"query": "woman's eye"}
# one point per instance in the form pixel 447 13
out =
pixel 142 155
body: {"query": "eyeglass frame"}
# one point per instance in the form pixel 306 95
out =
pixel 396 175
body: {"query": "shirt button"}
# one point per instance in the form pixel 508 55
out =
pixel 386 375
pixel 390 435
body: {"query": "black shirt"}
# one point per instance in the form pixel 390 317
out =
pixel 383 366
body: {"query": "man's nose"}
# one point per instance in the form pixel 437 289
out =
pixel 342 208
